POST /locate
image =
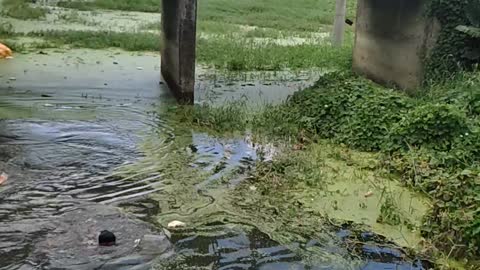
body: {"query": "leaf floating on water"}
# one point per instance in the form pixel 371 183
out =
pixel 368 194
pixel 176 224
pixel 3 178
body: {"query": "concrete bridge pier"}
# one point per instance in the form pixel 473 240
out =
pixel 179 20
pixel 391 40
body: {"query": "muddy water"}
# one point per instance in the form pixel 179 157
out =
pixel 61 137
pixel 87 148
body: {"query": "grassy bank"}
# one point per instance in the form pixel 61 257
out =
pixel 293 38
pixel 125 5
pixel 431 142
pixel 236 54
pixel 226 53
pixel 101 39
pixel 302 15
pixel 20 9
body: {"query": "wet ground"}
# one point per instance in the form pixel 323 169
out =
pixel 87 147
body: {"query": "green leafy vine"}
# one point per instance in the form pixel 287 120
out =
pixel 455 49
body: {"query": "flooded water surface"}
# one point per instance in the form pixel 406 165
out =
pixel 87 148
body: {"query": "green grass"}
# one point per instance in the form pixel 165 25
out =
pixel 217 28
pixel 232 46
pixel 125 5
pixel 300 15
pixel 74 17
pixel 20 9
pixel 151 26
pixel 236 54
pixel 102 40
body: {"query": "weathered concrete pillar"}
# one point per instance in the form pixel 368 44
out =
pixel 392 38
pixel 179 20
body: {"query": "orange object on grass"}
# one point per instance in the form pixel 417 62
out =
pixel 3 178
pixel 5 51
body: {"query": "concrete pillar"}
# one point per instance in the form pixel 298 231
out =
pixel 339 23
pixel 179 19
pixel 392 38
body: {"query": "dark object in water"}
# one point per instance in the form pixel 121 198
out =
pixel 193 148
pixel 106 239
pixel 349 22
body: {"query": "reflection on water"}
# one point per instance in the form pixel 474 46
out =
pixel 61 146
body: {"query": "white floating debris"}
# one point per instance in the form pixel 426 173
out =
pixel 48 105
pixel 253 188
pixel 12 79
pixel 176 224
pixel 368 194
pixel 140 68
pixel 9 57
pixel 137 242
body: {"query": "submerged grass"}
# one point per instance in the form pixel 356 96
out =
pixel 232 116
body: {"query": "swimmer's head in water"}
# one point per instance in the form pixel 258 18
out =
pixel 106 239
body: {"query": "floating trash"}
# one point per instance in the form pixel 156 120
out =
pixel 176 224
